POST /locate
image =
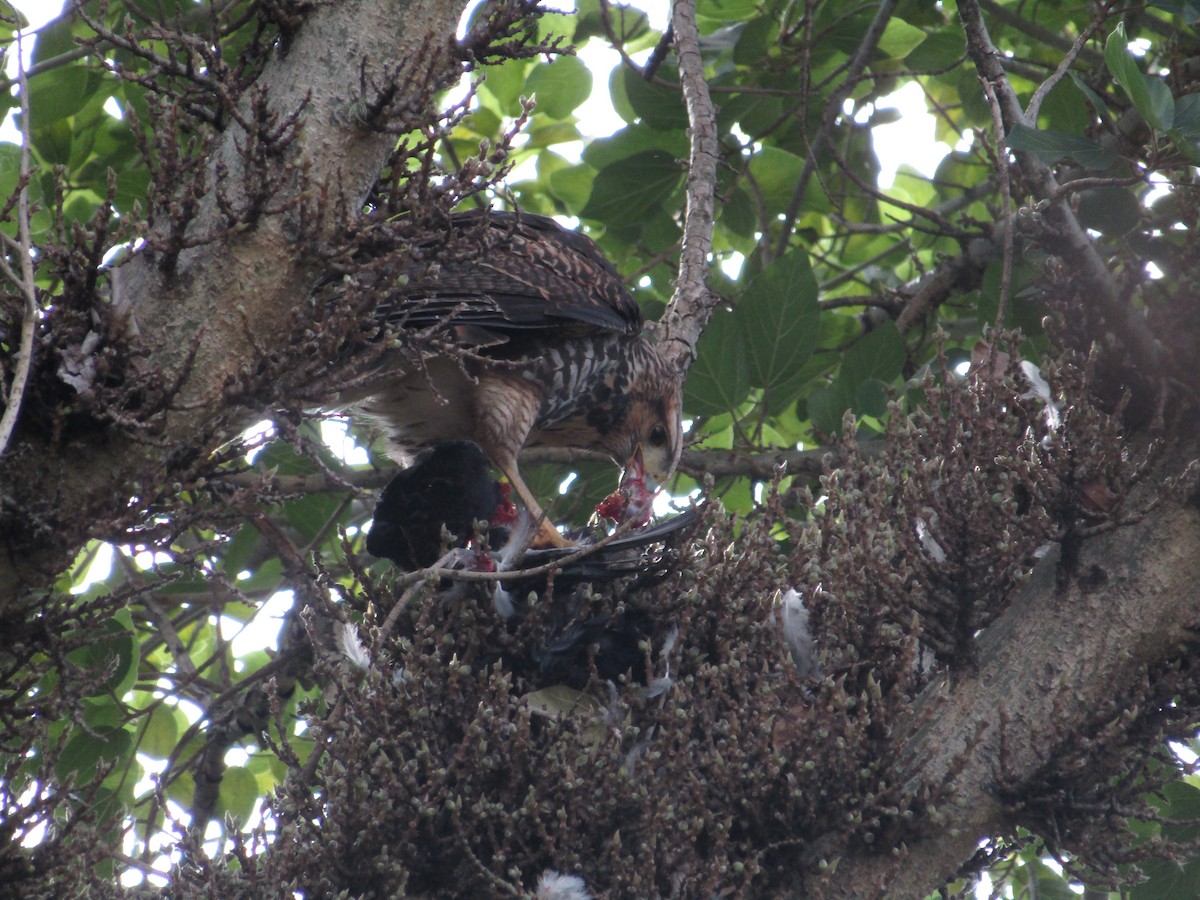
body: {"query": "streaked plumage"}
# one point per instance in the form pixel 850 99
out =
pixel 550 352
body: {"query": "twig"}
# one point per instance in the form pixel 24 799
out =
pixel 1006 199
pixel 833 109
pixel 25 282
pixel 1074 246
pixel 195 17
pixel 1035 102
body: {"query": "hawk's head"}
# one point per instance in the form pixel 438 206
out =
pixel 653 422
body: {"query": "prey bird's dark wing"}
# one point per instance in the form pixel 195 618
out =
pixel 615 560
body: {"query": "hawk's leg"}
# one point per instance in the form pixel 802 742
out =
pixel 548 535
pixel 505 415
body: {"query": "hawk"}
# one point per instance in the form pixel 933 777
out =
pixel 541 346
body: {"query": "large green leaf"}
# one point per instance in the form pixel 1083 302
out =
pixel 1109 209
pixel 879 354
pixel 631 188
pixel 939 50
pixel 84 750
pixel 238 793
pixel 1051 146
pixel 655 104
pixel 627 23
pixel 1124 69
pixel 900 39
pixel 780 320
pixel 560 86
pixel 62 92
pixel 719 380
pixel 504 84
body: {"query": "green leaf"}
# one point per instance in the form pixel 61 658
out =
pixel 546 134
pixel 628 24
pixel 756 41
pixel 1125 71
pixel 52 142
pixel 60 93
pixel 719 380
pixel 1187 115
pixel 1051 146
pixel 940 50
pixel 573 186
pixel 10 169
pixel 240 549
pixel 238 793
pixel 603 152
pixel 655 105
pixel 1162 104
pixel 13 19
pixel 1189 10
pixel 311 515
pixel 504 84
pixel 162 731
pixel 84 751
pixel 1096 100
pixel 728 10
pixel 1111 210
pixel 879 354
pixel 827 406
pixel 55 39
pixel 780 320
pixel 871 399
pixel 266 576
pixel 775 174
pixel 900 39
pixel 1186 145
pixel 111 656
pixel 560 86
pixel 631 188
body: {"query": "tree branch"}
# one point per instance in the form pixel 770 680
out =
pixel 1052 661
pixel 833 109
pixel 206 324
pixel 693 303
pixel 24 282
pixel 1074 246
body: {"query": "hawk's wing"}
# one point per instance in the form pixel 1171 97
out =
pixel 510 273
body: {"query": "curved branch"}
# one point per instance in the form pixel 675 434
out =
pixel 693 303
pixel 1074 246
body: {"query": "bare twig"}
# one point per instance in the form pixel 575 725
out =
pixel 1035 102
pixel 833 109
pixel 1006 199
pixel 24 283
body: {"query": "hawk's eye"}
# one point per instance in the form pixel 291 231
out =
pixel 658 436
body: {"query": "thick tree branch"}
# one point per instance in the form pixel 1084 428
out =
pixel 1048 670
pixel 206 323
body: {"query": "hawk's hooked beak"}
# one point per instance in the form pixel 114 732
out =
pixel 635 472
pixel 633 500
